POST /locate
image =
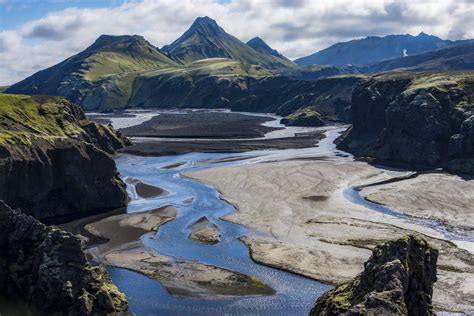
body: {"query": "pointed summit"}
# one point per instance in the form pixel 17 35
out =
pixel 206 24
pixel 206 39
pixel 260 46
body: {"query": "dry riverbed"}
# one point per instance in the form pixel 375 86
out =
pixel 301 221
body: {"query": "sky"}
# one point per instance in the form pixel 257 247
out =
pixel 36 34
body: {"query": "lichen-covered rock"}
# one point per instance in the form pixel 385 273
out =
pixel 397 280
pixel 422 120
pixel 46 268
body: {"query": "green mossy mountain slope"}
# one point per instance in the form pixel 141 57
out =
pixel 102 74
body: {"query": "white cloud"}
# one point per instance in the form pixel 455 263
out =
pixel 9 41
pixel 294 27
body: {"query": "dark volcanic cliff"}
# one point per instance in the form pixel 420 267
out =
pixel 397 280
pixel 422 120
pixel 46 268
pixel 54 161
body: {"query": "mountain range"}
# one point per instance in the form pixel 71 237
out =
pixel 374 49
pixel 207 67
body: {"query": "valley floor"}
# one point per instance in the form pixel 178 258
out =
pixel 302 221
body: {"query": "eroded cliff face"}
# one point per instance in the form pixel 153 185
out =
pixel 415 119
pixel 397 280
pixel 46 268
pixel 65 177
pixel 54 162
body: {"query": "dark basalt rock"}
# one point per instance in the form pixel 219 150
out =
pixel 67 177
pixel 421 120
pixel 397 280
pixel 46 268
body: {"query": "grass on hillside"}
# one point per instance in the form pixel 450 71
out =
pixel 23 118
pixel 440 81
pixel 110 63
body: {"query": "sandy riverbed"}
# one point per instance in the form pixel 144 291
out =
pixel 121 246
pixel 301 221
pixel 446 197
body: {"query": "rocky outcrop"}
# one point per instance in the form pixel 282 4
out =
pixel 54 162
pixel 397 280
pixel 305 117
pixel 421 120
pixel 46 268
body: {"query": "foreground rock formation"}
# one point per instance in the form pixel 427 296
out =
pixel 397 280
pixel 415 119
pixel 54 161
pixel 46 268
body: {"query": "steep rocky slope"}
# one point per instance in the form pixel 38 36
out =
pixel 46 268
pixel 424 119
pixel 397 280
pixel 54 161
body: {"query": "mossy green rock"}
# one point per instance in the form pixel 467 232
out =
pixel 397 280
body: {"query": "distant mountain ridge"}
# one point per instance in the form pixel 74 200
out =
pixel 374 49
pixel 458 56
pixel 260 46
pixel 206 39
